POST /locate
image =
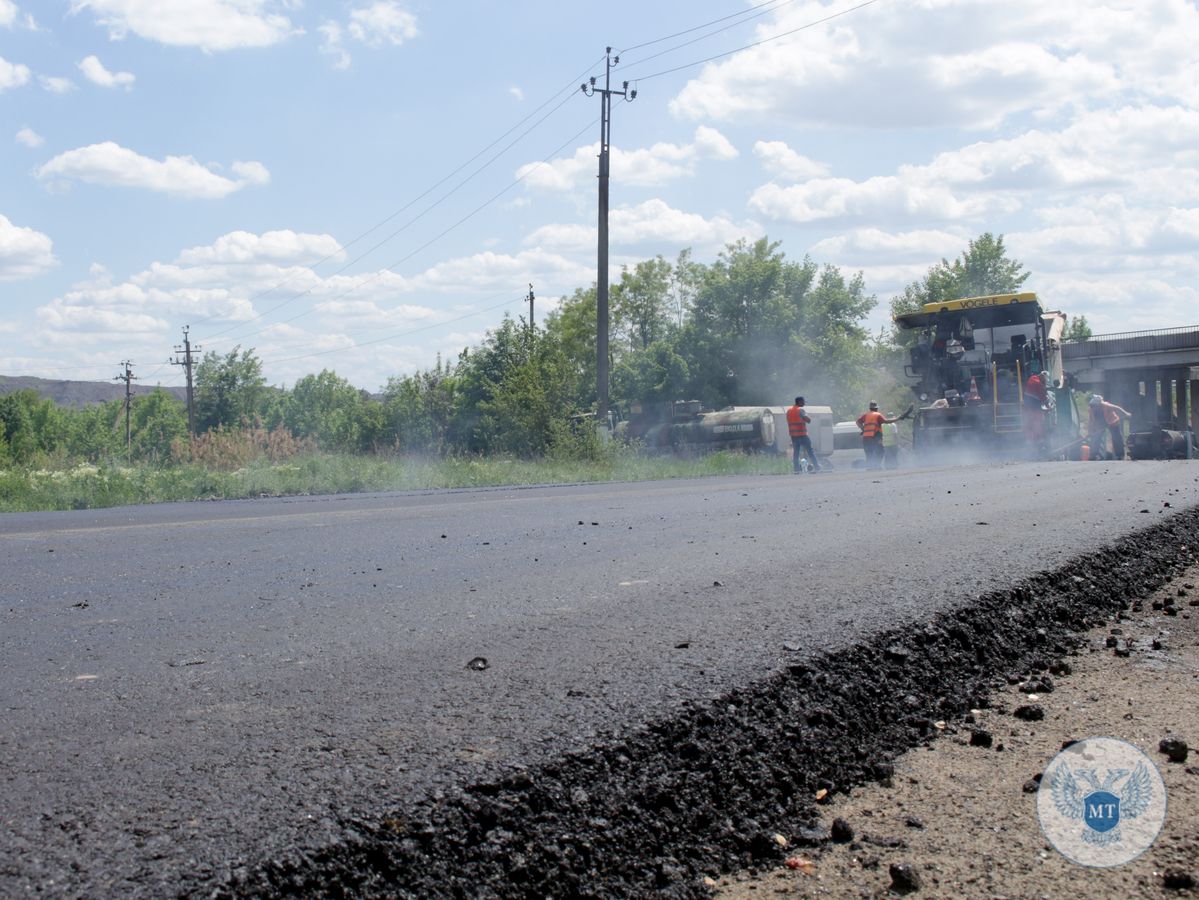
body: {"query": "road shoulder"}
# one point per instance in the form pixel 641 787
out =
pixel 963 816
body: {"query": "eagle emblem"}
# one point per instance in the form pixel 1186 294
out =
pixel 1081 795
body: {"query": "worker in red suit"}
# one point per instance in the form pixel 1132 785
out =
pixel 1036 407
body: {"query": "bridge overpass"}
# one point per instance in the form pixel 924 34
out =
pixel 1152 374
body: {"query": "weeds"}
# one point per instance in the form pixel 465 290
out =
pixel 213 475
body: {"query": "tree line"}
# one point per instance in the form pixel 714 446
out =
pixel 752 327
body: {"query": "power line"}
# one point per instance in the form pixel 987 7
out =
pixel 189 353
pixel 392 337
pixel 700 62
pixel 402 228
pixel 567 89
pixel 744 16
pixel 379 274
pixel 128 377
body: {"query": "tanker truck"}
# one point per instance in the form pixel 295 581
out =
pixel 685 427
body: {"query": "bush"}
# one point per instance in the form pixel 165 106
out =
pixel 235 448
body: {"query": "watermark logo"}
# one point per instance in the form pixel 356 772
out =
pixel 1101 802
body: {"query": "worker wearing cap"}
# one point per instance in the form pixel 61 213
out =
pixel 1106 416
pixel 797 427
pixel 871 423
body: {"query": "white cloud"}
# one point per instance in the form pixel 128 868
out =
pixel 782 161
pixel 332 45
pixel 653 223
pixel 490 271
pixel 964 63
pixel 24 253
pixel 56 85
pixel 211 25
pixel 12 75
pixel 644 167
pixel 516 92
pixel 242 277
pixel 251 172
pixel 383 22
pixel 8 13
pixel 882 198
pixel 1151 153
pixel 878 246
pixel 93 70
pixel 29 138
pixel 115 166
pixel 277 247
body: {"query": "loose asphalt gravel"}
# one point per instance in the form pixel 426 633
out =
pixel 598 689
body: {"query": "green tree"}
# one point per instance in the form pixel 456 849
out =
pixel 654 374
pixel 516 393
pixel 641 303
pixel 230 389
pixel 983 268
pixel 157 420
pixel 328 409
pixel 571 327
pixel 1079 329
pixel 832 349
pixel 763 328
pixel 418 409
pixel 96 431
pixel 31 426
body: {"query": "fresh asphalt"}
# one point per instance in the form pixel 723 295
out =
pixel 187 690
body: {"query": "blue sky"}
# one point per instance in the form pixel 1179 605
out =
pixel 360 185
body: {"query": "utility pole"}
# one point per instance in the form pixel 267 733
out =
pixel 530 299
pixel 189 353
pixel 128 377
pixel 601 280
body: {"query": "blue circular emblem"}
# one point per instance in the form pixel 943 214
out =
pixel 1101 802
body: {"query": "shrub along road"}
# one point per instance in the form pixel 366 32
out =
pixel 607 687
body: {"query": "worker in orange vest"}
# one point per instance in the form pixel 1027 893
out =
pixel 1106 416
pixel 797 427
pixel 871 425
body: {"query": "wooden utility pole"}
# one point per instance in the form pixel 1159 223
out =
pixel 601 276
pixel 189 352
pixel 128 377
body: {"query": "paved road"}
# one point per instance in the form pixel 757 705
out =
pixel 188 688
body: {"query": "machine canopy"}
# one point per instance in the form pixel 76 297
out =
pixel 993 311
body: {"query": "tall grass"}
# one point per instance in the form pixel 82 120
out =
pixel 115 484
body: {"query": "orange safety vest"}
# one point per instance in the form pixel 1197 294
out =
pixel 871 423
pixel 797 422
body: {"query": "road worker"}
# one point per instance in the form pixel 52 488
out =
pixel 871 423
pixel 1036 405
pixel 1106 417
pixel 797 427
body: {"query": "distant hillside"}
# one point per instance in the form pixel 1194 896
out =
pixel 78 393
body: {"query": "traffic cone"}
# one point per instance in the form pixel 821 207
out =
pixel 974 394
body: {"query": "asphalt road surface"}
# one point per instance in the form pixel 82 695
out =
pixel 188 689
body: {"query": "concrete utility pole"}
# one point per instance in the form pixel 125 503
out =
pixel 601 280
pixel 128 377
pixel 530 299
pixel 189 352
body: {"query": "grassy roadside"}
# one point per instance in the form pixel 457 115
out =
pixel 97 486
